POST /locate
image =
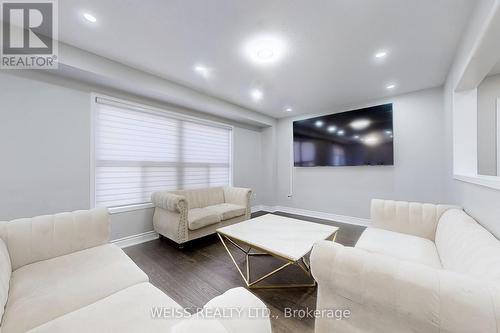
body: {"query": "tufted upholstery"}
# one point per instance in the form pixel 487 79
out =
pixel 189 214
pixel 421 268
pixel 44 237
pixel 466 247
pixel 385 294
pixel 418 219
pixel 5 274
pixel 65 283
pixel 203 197
pixel 169 201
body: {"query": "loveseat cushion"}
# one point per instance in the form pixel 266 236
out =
pixel 129 310
pixel 400 246
pixel 201 217
pixel 5 273
pixel 227 211
pixel 48 289
pixel 465 246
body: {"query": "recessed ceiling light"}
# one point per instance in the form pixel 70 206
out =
pixel 388 132
pixel 319 123
pixel 202 70
pixel 359 124
pixel 256 94
pixel 390 86
pixel 371 140
pixel 341 132
pixel 89 17
pixel 331 129
pixel 381 54
pixel 356 137
pixel 265 49
pixel 288 110
pixel 265 54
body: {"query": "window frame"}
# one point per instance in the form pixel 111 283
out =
pixel 151 110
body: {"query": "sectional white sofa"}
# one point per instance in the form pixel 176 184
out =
pixel 189 214
pixel 58 273
pixel 420 268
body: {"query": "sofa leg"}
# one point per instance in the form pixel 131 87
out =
pixel 180 246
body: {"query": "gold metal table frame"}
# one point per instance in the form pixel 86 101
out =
pixel 301 263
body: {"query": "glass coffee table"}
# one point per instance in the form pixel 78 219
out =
pixel 287 239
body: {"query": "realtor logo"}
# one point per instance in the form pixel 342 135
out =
pixel 29 34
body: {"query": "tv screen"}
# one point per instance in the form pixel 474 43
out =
pixel 358 137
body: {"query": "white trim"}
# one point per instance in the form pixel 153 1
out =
pixel 486 181
pixel 92 149
pixel 135 239
pixel 129 208
pixel 310 213
pixel 498 137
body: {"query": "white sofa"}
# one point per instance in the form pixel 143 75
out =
pixel 58 273
pixel 189 214
pixel 420 268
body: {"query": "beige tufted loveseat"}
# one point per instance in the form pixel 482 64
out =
pixel 189 214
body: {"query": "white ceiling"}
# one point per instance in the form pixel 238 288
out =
pixel 331 44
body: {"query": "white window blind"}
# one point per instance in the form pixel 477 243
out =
pixel 138 152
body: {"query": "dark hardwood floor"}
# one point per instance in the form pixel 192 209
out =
pixel 203 270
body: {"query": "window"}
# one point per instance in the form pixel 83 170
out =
pixel 138 150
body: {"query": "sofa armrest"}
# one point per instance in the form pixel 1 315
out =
pixel 44 237
pixel 413 218
pixel 170 201
pixel 395 295
pixel 252 317
pixel 237 195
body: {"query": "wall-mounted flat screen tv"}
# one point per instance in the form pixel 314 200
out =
pixel 358 137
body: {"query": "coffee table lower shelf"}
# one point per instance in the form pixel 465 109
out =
pixel 255 284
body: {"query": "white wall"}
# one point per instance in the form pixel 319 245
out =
pixel 45 150
pixel 480 202
pixel 417 173
pixel 487 94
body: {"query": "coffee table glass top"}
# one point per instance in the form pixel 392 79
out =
pixel 285 237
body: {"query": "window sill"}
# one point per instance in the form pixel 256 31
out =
pixel 129 208
pixel 486 181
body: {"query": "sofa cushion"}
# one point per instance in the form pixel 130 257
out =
pixel 400 246
pixel 129 310
pixel 5 273
pixel 48 289
pixel 201 217
pixel 227 211
pixel 465 246
pixel 203 197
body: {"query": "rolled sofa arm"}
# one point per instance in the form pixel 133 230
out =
pixel 44 237
pixel 413 218
pixel 237 195
pixel 169 201
pixel 252 315
pixel 385 294
pixel 235 311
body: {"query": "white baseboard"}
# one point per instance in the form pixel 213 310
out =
pixel 135 239
pixel 151 235
pixel 310 213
